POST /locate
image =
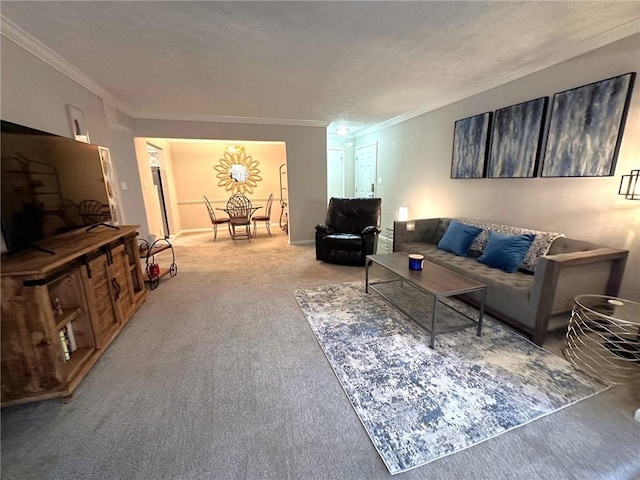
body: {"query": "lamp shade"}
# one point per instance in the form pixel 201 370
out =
pixel 403 214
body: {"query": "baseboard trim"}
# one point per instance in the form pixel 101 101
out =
pixel 302 242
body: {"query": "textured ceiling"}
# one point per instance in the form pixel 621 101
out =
pixel 357 64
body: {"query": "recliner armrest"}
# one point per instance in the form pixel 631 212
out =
pixel 370 229
pixel 321 227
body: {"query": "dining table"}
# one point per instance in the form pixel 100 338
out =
pixel 237 220
pixel 252 210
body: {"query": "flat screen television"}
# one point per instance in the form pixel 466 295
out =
pixel 49 185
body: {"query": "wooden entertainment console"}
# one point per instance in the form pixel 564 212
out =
pixel 61 311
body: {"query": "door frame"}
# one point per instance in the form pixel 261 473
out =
pixel 163 202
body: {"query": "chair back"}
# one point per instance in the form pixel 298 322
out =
pixel 267 209
pixel 239 207
pixel 212 213
pixel 352 215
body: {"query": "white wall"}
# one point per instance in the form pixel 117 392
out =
pixel 122 149
pixel 34 94
pixel 414 158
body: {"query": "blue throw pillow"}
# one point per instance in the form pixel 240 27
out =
pixel 506 252
pixel 458 238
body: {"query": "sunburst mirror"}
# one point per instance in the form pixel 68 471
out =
pixel 237 171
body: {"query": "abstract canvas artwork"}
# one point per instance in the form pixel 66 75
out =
pixel 516 139
pixel 586 128
pixel 470 145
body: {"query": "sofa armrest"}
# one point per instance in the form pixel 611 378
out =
pixel 559 278
pixel 424 230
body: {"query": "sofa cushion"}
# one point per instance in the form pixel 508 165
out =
pixel 506 252
pixel 458 238
pixel 344 241
pixel 539 247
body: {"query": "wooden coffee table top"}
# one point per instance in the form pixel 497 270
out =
pixel 432 278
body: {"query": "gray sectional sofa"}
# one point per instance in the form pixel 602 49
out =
pixel 535 303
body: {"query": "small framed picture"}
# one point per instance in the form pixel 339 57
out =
pixel 77 123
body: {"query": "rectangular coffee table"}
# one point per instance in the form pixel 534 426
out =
pixel 432 280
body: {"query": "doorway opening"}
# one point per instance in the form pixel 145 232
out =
pixel 335 173
pixel 183 171
pixel 155 160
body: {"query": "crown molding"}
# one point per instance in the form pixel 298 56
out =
pixel 623 31
pixel 14 33
pixel 189 117
pixel 195 141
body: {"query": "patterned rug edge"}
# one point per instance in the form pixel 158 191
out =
pixel 391 470
pixel 493 436
pixel 353 407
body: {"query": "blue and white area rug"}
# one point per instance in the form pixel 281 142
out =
pixel 419 404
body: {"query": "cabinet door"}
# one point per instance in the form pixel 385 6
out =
pixel 73 329
pixel 135 270
pixel 121 279
pixel 101 293
pixel 30 362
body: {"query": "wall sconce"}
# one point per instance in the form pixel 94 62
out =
pixel 403 214
pixel 630 186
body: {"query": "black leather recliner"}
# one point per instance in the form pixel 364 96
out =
pixel 350 232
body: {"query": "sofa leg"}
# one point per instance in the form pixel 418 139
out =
pixel 538 338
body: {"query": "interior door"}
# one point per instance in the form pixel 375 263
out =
pixel 335 172
pixel 366 169
pixel 157 182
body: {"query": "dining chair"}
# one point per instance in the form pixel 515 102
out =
pixel 215 221
pixel 239 209
pixel 266 218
